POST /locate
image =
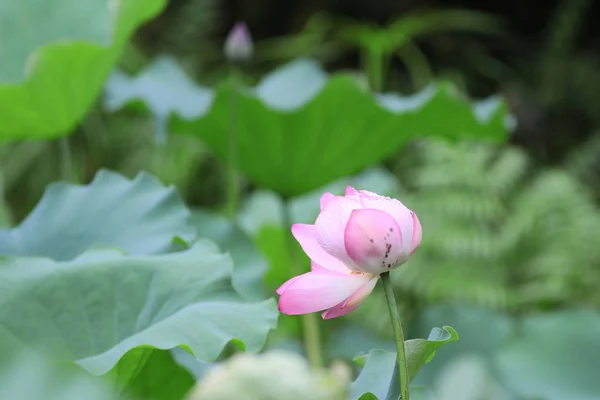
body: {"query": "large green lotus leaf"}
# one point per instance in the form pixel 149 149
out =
pixel 299 128
pixel 379 376
pixel 553 356
pixel 102 304
pixel 248 263
pixel 140 216
pixel 55 57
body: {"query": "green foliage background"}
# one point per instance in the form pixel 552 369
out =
pixel 506 190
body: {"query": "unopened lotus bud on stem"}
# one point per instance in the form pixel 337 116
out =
pixel 238 45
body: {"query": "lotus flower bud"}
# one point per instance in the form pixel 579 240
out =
pixel 355 239
pixel 238 45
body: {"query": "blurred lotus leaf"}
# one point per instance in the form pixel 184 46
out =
pixel 178 299
pixel 301 128
pixel 85 279
pixel 274 375
pixel 54 62
pixel 164 88
pixel 139 215
pixel 248 262
pixel 27 376
pixel 553 356
pixel 469 377
pixel 549 356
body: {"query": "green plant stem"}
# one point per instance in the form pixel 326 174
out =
pixel 66 164
pixel 397 325
pixel 417 65
pixel 233 182
pixel 312 339
pixel 310 323
pixel 375 69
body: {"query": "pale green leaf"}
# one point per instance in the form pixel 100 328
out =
pixel 553 356
pixel 26 375
pixel 141 216
pixel 96 308
pixel 249 265
pixel 378 378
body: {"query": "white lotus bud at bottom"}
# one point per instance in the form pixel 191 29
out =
pixel 274 375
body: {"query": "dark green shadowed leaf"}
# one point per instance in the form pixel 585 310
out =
pixel 96 308
pixel 151 374
pixel 55 59
pixel 140 216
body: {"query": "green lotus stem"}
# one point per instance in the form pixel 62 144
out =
pixel 233 183
pixel 310 323
pixel 416 63
pixel 376 69
pixel 399 336
pixel 67 171
pixel 312 339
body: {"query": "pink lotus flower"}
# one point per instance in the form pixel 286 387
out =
pixel 356 238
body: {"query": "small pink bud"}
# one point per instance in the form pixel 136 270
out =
pixel 238 45
pixel 355 239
